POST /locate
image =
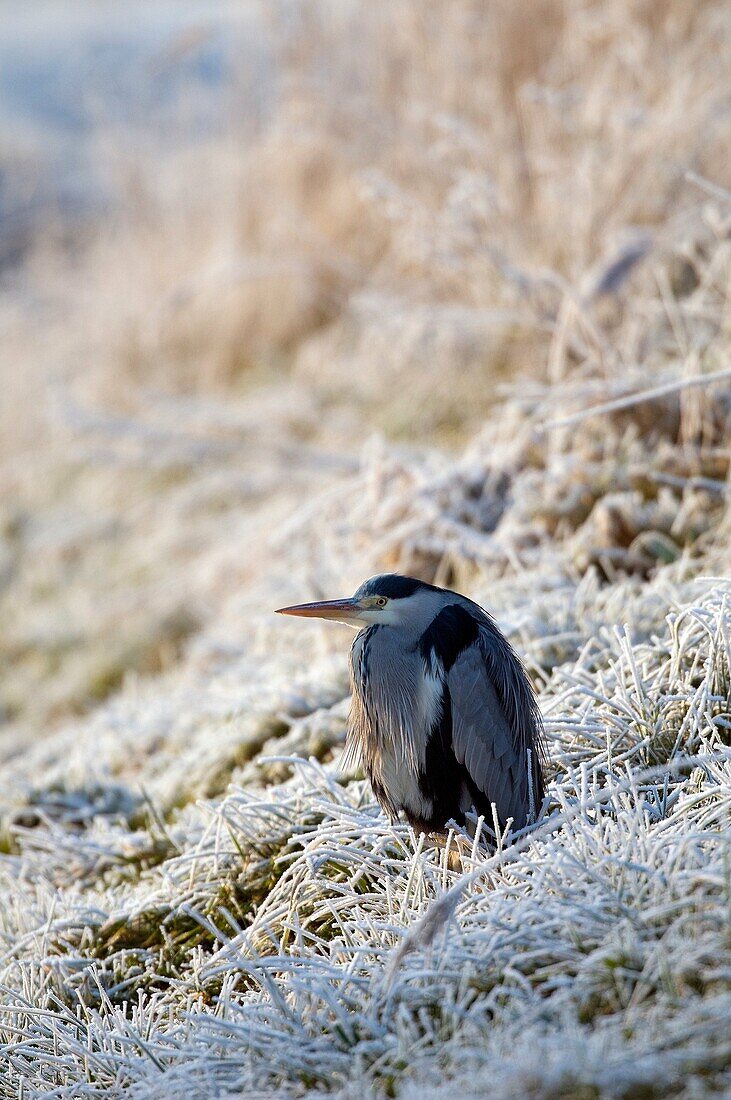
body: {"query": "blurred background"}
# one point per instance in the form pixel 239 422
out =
pixel 240 242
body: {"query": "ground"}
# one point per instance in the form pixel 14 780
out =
pixel 467 323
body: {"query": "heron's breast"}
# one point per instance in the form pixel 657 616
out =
pixel 397 700
pixel 394 679
pixel 400 783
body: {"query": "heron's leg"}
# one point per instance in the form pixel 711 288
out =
pixel 453 846
pixel 458 849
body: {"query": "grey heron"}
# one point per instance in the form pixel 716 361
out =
pixel 443 715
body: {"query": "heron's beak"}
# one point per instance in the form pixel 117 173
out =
pixel 343 611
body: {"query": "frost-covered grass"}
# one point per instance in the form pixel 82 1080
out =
pixel 288 938
pixel 467 318
pixel 197 902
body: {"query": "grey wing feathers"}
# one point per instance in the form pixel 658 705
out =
pixel 483 739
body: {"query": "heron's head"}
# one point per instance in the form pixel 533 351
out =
pixel 388 599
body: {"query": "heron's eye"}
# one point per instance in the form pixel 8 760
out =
pixel 381 601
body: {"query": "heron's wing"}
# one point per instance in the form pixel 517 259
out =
pixel 482 739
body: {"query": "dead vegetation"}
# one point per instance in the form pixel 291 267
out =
pixel 458 307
